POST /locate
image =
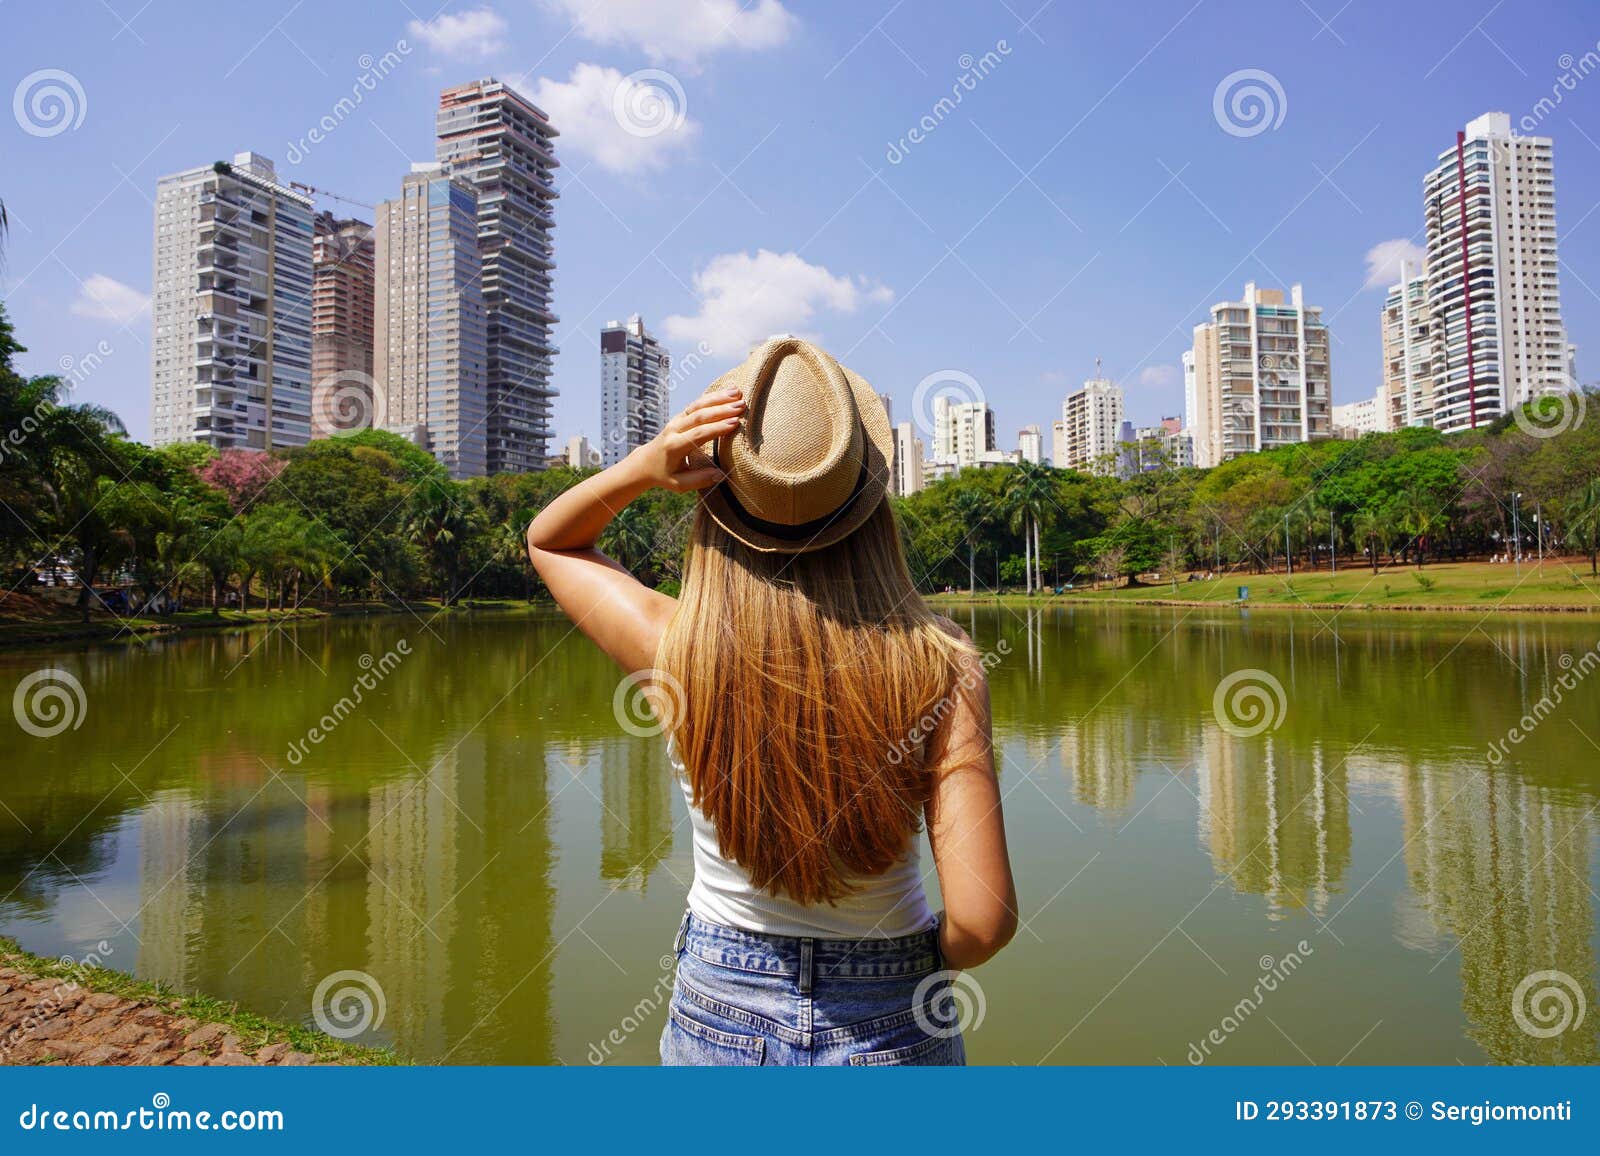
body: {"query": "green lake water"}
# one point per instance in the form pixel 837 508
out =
pixel 1369 879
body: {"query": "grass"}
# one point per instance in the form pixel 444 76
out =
pixel 1562 585
pixel 253 1031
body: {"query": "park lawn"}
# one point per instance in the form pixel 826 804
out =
pixel 1564 584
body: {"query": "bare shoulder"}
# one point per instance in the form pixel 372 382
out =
pixel 949 627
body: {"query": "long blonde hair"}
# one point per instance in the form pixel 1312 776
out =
pixel 806 682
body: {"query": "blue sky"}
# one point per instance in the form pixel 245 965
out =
pixel 1084 199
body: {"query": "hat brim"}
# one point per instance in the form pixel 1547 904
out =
pixel 877 449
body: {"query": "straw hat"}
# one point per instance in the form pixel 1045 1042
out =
pixel 810 461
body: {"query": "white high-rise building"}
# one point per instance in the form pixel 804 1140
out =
pixel 1088 437
pixel 430 329
pixel 1358 418
pixel 907 460
pixel 1493 285
pixel 1261 375
pixel 580 455
pixel 1189 402
pixel 963 431
pixel 230 355
pixel 1030 444
pixel 1406 397
pixel 634 387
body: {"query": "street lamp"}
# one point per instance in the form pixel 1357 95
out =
pixel 1516 530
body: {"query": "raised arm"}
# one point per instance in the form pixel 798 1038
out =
pixel 967 832
pixel 624 617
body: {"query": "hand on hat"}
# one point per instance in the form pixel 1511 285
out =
pixel 671 459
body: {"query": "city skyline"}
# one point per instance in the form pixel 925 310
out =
pixel 840 248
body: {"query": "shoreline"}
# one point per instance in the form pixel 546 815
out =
pixel 1219 604
pixel 59 1012
pixel 21 634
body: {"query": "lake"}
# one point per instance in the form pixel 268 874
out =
pixel 1343 858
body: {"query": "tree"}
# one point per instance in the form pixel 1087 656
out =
pixel 1583 520
pixel 1372 527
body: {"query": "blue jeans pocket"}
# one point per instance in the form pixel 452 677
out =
pixel 931 1051
pixel 688 1041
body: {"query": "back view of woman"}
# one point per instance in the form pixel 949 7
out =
pixel 817 714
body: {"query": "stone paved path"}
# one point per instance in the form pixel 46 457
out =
pixel 57 1021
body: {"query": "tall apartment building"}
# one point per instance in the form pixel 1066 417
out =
pixel 634 387
pixel 1406 397
pixel 342 280
pixel 907 460
pixel 230 354
pixel 1189 402
pixel 963 432
pixel 431 336
pixel 1358 418
pixel 503 145
pixel 1030 444
pixel 1161 447
pixel 1089 433
pixel 580 455
pixel 1262 375
pixel 1493 288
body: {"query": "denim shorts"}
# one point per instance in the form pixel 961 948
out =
pixel 746 999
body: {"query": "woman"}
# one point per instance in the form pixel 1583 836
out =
pixel 817 713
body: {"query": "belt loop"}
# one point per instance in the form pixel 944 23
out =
pixel 683 934
pixel 807 947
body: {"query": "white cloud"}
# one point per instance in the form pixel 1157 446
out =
pixel 1384 258
pixel 103 298
pixel 681 31
pixel 1158 375
pixel 625 123
pixel 476 32
pixel 744 299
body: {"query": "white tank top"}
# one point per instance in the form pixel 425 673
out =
pixel 883 906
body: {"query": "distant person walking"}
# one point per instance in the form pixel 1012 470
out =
pixel 818 714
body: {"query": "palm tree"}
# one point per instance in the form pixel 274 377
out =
pixel 1583 520
pixel 1024 509
pixel 441 525
pixel 511 547
pixel 972 511
pixel 1371 527
pixel 1417 518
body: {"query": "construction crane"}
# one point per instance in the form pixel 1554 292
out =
pixel 313 190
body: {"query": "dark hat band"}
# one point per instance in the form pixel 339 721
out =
pixel 779 530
